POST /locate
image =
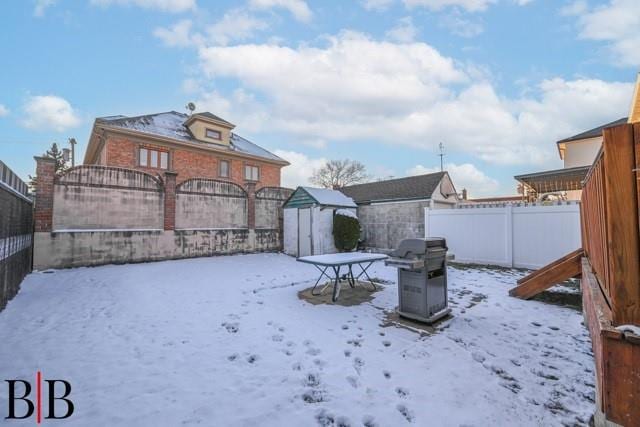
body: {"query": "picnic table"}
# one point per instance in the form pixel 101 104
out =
pixel 335 262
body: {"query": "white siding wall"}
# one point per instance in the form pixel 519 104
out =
pixel 511 236
pixel 581 153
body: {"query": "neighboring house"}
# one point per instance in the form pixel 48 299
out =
pixel 308 220
pixel 578 153
pixel 201 145
pixel 393 210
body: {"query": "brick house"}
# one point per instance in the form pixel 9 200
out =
pixel 201 145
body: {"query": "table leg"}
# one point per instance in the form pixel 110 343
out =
pixel 364 271
pixel 322 273
pixel 352 280
pixel 336 285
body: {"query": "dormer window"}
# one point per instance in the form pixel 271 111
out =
pixel 213 134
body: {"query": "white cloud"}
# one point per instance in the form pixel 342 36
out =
pixel 617 24
pixel 359 89
pixel 468 5
pixel 236 24
pixel 174 6
pixel 467 176
pixel 378 5
pixel 300 170
pixel 578 7
pixel 178 35
pixel 298 8
pixel 404 31
pixel 41 7
pixel 457 24
pixel 49 112
pixel 3 110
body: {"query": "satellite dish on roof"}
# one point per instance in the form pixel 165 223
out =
pixel 191 107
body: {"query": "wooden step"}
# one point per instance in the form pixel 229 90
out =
pixel 551 274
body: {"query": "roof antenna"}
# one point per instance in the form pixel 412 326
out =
pixel 191 107
pixel 441 146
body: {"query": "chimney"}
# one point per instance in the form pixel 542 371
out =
pixel 464 194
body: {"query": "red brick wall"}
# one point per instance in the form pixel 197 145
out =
pixel 122 152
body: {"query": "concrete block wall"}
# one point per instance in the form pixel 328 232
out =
pixel 96 215
pixel 384 225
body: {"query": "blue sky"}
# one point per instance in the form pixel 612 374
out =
pixel 381 81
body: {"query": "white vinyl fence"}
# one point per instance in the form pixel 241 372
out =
pixel 525 236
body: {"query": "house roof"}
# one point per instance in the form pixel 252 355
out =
pixel 555 180
pixel 326 196
pixel 171 124
pixel 208 115
pixel 595 132
pixel 409 188
pixel 305 196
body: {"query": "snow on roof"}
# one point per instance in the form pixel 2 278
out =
pixel 346 212
pixel 171 125
pixel 326 196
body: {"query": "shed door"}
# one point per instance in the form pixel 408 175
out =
pixel 304 232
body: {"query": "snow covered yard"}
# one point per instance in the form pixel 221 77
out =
pixel 226 341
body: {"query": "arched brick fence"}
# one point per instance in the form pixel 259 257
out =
pixel 94 215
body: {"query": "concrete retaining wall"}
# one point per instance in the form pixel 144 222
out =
pixel 89 248
pixel 96 215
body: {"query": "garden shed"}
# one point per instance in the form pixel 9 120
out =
pixel 308 220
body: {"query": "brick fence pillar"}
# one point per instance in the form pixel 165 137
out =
pixel 251 205
pixel 170 200
pixel 45 176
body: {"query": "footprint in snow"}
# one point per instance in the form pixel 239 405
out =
pixel 402 392
pixel 252 358
pixel 386 343
pixel 232 327
pixel 355 342
pixel 353 381
pixel 358 364
pixel 232 357
pixel 369 421
pixel 406 413
pixel 319 363
pixel 277 338
pixel 347 353
pixel 386 374
pixel 314 351
pixel 345 327
pixel 312 380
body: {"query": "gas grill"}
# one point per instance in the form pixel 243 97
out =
pixel 422 278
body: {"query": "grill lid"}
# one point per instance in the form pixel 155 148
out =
pixel 418 247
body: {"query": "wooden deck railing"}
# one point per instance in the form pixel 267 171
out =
pixel 610 232
pixel 611 274
pixel 594 224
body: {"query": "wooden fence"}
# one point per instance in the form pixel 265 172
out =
pixel 611 273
